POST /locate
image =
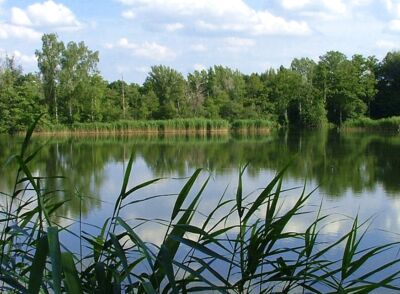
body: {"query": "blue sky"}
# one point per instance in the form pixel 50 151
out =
pixel 252 36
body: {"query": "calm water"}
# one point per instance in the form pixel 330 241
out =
pixel 354 173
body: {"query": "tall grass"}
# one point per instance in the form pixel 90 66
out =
pixel 238 252
pixel 253 125
pixel 143 126
pixel 388 124
pixel 193 125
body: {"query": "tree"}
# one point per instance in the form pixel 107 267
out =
pixel 92 98
pixel 226 88
pixel 20 97
pixel 256 100
pixel 309 108
pixel 338 80
pixel 49 63
pixel 284 85
pixel 365 70
pixel 169 86
pixel 387 102
pixel 78 66
pixel 197 92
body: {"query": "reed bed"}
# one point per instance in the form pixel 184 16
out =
pixel 385 124
pixel 157 126
pixel 195 125
pixel 253 126
pixel 252 251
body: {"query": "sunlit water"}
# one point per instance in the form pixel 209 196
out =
pixel 355 173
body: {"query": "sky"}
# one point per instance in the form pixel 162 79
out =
pixel 188 35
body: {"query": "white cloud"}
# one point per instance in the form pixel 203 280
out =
pixel 19 17
pixel 150 50
pixel 236 45
pixel 241 42
pixel 199 67
pixel 198 48
pixel 324 10
pixel 172 27
pixel 221 15
pixel 26 61
pixel 387 45
pixel 153 50
pixel 393 8
pixel 129 14
pixel 142 69
pixel 24 58
pixel 335 6
pixel 46 14
pixel 394 25
pixel 14 31
pixel 266 23
pixel 294 4
pixel 388 4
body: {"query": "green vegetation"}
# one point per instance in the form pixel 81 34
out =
pixel 70 89
pixel 125 126
pixel 190 125
pixel 388 124
pixel 241 252
pixel 253 125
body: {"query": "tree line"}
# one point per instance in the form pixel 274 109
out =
pixel 70 88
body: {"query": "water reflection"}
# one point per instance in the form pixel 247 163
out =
pixel 342 164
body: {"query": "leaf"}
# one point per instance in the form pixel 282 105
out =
pixel 264 194
pixel 121 255
pixel 136 239
pixel 239 193
pixel 71 274
pixel 38 265
pixel 55 257
pixel 165 261
pixel 140 186
pixel 148 287
pixel 184 193
pixel 29 135
pixel 200 247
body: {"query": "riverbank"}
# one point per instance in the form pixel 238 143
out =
pixel 391 124
pixel 174 126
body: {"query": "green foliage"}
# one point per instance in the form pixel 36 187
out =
pixel 20 97
pixel 251 125
pixel 49 60
pixel 307 94
pixel 347 86
pixel 169 86
pixel 388 124
pixel 153 125
pixel 387 102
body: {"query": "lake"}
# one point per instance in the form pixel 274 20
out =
pixel 354 173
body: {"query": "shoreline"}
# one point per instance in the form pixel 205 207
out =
pixel 160 127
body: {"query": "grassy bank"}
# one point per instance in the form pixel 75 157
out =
pixel 384 124
pixel 233 249
pixel 162 126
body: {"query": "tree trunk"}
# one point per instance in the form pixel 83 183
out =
pixel 92 114
pixel 123 98
pixel 286 116
pixel 300 110
pixel 70 111
pixel 56 107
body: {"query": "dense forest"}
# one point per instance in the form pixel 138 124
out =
pixel 69 88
